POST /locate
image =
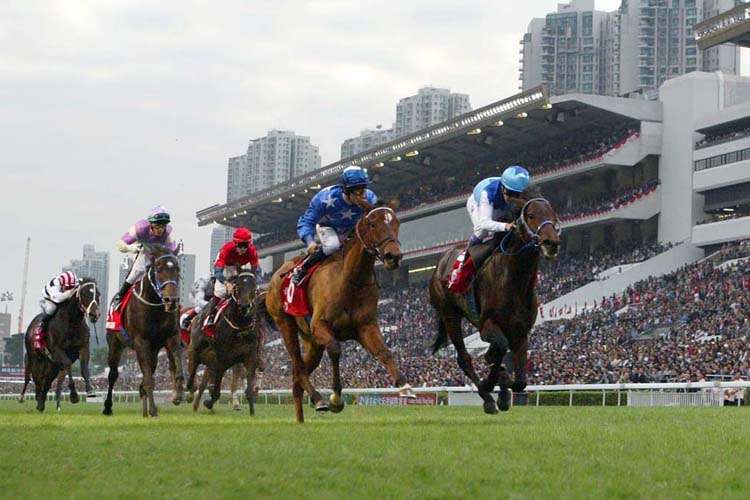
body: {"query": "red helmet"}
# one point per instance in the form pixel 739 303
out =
pixel 242 235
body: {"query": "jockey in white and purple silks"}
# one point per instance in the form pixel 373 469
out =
pixel 155 230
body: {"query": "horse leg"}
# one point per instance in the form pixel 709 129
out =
pixel 218 376
pixel 520 350
pixel 372 340
pixel 204 383
pixel 453 328
pixel 83 358
pixel 74 399
pixel 300 380
pixel 113 361
pixel 144 355
pixel 493 334
pixel 175 354
pixel 251 364
pixel 313 355
pixel 193 357
pixel 58 388
pixel 233 385
pixel 26 376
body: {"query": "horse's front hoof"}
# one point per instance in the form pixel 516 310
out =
pixel 74 398
pixel 490 407
pixel 190 396
pixel 208 404
pixel 107 411
pixel 321 405
pixel 503 400
pixel 405 391
pixel 335 403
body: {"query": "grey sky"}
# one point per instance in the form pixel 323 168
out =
pixel 110 108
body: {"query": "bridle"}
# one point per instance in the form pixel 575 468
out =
pixel 376 250
pixel 87 309
pixel 533 241
pixel 156 285
pixel 233 298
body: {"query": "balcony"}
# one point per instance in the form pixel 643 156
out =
pixel 721 232
pixel 641 207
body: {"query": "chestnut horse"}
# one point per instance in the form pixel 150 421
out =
pixel 343 295
pixel 68 339
pixel 505 297
pixel 150 319
pixel 237 340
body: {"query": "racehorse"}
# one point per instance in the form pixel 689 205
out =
pixel 68 341
pixel 237 339
pixel 343 295
pixel 150 321
pixel 505 297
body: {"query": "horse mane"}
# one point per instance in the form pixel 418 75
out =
pixel 157 250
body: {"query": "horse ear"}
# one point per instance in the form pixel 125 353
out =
pixel 393 204
pixel 363 204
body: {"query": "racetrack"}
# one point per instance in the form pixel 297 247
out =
pixel 375 452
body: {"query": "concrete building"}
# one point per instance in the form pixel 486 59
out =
pixel 429 107
pixel 634 49
pixel 4 325
pixel 279 156
pixel 367 139
pixel 219 236
pixel 187 277
pixel 95 265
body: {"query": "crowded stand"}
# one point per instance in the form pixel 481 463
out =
pixel 714 139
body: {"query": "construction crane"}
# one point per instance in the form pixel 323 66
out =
pixel 24 285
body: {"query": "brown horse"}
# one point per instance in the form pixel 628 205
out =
pixel 68 339
pixel 343 294
pixel 150 320
pixel 236 340
pixel 505 297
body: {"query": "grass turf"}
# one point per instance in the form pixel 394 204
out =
pixel 375 452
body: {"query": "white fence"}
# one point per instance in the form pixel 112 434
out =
pixel 666 394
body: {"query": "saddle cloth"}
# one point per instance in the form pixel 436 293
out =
pixel 211 330
pixel 114 321
pixel 462 274
pixel 294 298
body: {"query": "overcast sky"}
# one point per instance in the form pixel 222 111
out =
pixel 109 108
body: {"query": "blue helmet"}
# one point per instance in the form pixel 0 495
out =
pixel 515 178
pixel 354 177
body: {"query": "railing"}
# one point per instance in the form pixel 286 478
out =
pixel 650 394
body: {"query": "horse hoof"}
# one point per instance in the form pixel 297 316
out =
pixel 90 393
pixel 208 404
pixel 74 398
pixel 189 397
pixel 490 407
pixel 407 392
pixel 236 407
pixel 335 403
pixel 503 400
pixel 321 405
pixel 107 411
pixel 503 405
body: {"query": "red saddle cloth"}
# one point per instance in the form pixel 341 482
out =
pixel 462 273
pixel 185 334
pixel 114 322
pixel 211 330
pixel 294 298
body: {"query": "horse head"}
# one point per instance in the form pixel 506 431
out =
pixel 539 226
pixel 244 291
pixel 164 275
pixel 377 230
pixel 87 296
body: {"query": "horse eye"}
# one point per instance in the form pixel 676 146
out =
pixel 532 216
pixel 372 224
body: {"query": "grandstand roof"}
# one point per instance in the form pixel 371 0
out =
pixel 480 137
pixel 732 26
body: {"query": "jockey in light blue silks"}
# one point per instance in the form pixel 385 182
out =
pixel 490 200
pixel 332 214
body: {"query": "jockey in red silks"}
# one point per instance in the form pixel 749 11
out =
pixel 232 256
pixel 155 229
pixel 491 199
pixel 58 290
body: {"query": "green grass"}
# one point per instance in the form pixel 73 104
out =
pixel 375 452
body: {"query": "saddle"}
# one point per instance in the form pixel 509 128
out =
pixel 114 316
pixel 294 298
pixel 211 330
pixel 466 264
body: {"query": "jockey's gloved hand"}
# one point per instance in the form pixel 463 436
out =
pixel 312 248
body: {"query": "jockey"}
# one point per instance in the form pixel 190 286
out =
pixel 202 292
pixel 58 290
pixel 491 198
pixel 232 256
pixel 155 229
pixel 332 214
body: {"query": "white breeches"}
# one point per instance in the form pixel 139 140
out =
pixel 142 261
pixel 220 289
pixel 330 240
pixel 199 300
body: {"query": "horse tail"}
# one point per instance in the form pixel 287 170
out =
pixel 442 337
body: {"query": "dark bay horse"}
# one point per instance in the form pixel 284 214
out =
pixel 68 341
pixel 150 319
pixel 343 295
pixel 236 340
pixel 505 297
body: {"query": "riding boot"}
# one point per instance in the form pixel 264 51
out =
pixel 117 299
pixel 40 335
pixel 299 273
pixel 211 313
pixel 187 318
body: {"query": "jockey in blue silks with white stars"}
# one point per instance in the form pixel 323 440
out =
pixel 332 214
pixel 491 198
